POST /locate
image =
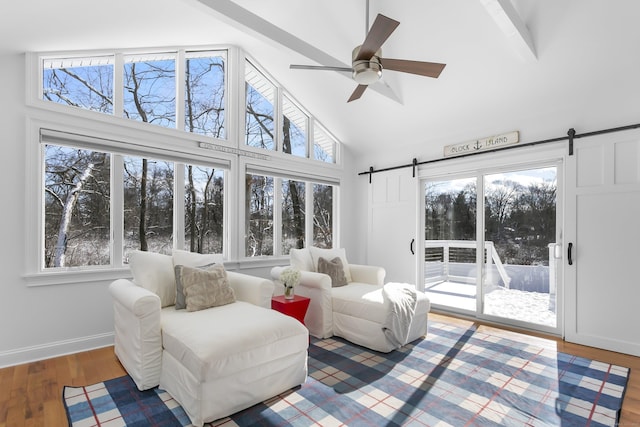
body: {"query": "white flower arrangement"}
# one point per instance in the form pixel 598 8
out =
pixel 290 277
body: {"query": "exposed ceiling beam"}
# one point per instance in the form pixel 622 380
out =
pixel 253 24
pixel 513 27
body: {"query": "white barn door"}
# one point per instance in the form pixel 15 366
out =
pixel 603 226
pixel 392 224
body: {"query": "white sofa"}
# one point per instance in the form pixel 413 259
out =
pixel 357 311
pixel 215 361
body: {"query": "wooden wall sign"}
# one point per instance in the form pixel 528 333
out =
pixel 484 144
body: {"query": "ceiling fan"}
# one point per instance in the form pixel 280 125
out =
pixel 367 62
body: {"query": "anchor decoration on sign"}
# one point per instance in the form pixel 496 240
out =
pixel 482 144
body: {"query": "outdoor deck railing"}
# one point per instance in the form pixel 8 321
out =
pixel 492 258
pixel 449 265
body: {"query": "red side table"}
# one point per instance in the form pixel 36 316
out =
pixel 296 307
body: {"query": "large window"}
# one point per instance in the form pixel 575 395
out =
pixel 137 161
pixel 187 90
pixel 81 193
pixel 148 89
pixel 271 232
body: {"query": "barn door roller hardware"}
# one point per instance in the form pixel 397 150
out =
pixel 571 135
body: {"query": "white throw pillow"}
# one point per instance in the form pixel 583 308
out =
pixel 193 259
pixel 154 271
pixel 317 253
pixel 301 259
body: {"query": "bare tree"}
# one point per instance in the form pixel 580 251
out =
pixel 149 106
pixel 73 179
pixel 297 202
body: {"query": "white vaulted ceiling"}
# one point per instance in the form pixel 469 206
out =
pixel 511 64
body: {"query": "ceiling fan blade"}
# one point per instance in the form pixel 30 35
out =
pixel 428 69
pixel 380 31
pixel 357 93
pixel 319 67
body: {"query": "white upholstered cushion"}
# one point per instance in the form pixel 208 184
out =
pixel 154 271
pixel 360 300
pixel 224 340
pixel 193 259
pixel 317 253
pixel 301 259
pixel 367 302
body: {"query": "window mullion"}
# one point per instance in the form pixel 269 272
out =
pixel 118 85
pixel 180 89
pixel 311 123
pixel 335 197
pixel 309 214
pixel 179 205
pixel 278 111
pixel 277 216
pixel 117 211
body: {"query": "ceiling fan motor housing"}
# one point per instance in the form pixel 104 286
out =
pixel 366 71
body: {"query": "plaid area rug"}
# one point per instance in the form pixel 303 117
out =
pixel 454 377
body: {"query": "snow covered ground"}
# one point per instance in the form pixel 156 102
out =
pixel 526 306
pixel 520 305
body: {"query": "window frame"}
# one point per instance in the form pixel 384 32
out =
pixel 34 68
pixel 282 172
pixel 140 145
pixel 312 122
pixel 141 139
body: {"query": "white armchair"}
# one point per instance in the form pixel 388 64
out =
pixel 357 311
pixel 214 361
pixel 317 287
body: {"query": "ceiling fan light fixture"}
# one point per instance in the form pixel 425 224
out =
pixel 367 72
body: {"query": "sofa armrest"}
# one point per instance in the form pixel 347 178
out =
pixel 138 335
pixel 317 287
pixel 367 274
pixel 256 290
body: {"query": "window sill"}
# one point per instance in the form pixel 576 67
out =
pixel 68 277
pixel 106 274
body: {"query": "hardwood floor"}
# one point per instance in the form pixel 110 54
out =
pixel 31 394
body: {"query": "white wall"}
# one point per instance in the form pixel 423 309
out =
pixel 36 321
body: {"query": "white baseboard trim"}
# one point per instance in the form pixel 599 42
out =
pixel 605 343
pixel 54 349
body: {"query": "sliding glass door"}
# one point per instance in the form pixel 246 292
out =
pixel 450 269
pixel 520 239
pixel 490 245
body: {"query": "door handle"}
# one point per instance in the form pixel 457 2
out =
pixel 411 246
pixel 569 249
